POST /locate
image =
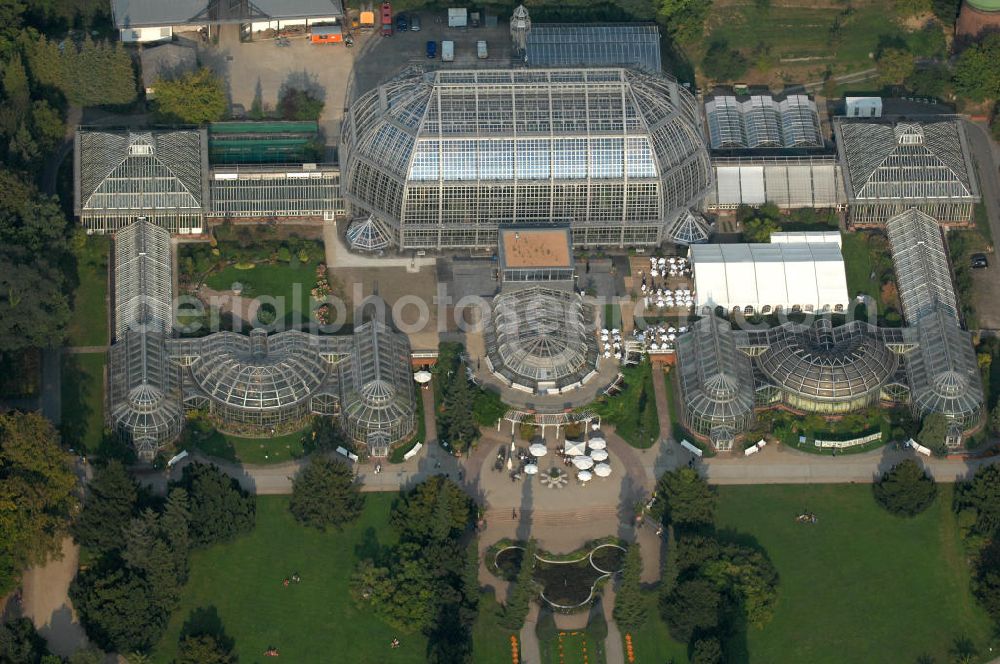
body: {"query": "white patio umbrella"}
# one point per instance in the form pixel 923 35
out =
pixel 595 427
pixel 597 443
pixel 602 470
pixel 422 377
pixel 510 463
pixel 599 455
pixel 584 476
pixel 538 450
pixel 574 448
pixel 512 447
pixel 531 469
pixel 583 462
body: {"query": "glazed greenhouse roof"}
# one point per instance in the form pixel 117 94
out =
pixel 922 270
pixel 581 44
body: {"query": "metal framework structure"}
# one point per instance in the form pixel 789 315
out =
pixel 690 228
pixel 944 374
pixel 379 409
pixel 787 181
pixel 263 191
pixel 820 368
pixel 445 158
pixel 259 383
pixel 922 270
pixel 143 386
pixel 892 168
pixel 588 45
pixel 367 235
pixel 541 340
pixel 763 122
pixel 716 381
pixel 121 176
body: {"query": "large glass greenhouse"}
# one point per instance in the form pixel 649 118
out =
pixel 143 386
pixel 943 373
pixel 821 368
pixel 922 269
pixel 891 168
pixel 716 382
pixel 445 158
pixel 541 340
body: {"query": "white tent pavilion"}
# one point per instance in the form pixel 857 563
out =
pixel 574 448
pixel 597 443
pixel 595 427
pixel 602 470
pixel 599 455
pixel 531 469
pixel 538 450
pixel 422 377
pixel 584 476
pixel 583 462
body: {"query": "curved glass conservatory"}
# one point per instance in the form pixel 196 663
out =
pixel 444 158
pixel 541 340
pixel 716 381
pixel 827 369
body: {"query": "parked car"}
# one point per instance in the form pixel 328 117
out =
pixel 447 51
pixel 402 25
pixel 979 261
pixel 414 23
pixel 431 49
pixel 481 52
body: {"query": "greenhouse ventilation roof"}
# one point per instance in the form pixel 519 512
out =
pixel 921 261
pixel 906 161
pixel 581 44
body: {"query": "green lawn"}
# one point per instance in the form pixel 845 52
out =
pixel 652 644
pixel 314 621
pixel 861 585
pixel 277 449
pixel 83 400
pixel 491 642
pixel 572 648
pixel 858 266
pixel 289 284
pixel 89 324
pixel 633 410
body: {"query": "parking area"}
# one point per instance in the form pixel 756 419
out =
pixel 380 58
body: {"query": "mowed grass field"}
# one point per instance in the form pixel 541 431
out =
pixel 861 585
pixel 289 284
pixel 89 324
pixel 83 400
pixel 312 621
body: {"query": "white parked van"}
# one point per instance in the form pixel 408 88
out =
pixel 481 51
pixel 447 51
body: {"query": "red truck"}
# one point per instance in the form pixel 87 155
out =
pixel 386 19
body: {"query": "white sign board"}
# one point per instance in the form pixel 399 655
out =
pixel 458 18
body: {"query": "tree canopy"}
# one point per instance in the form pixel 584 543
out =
pixel 37 494
pixel 110 504
pixel 21 644
pixel 905 490
pixel 219 508
pixel 630 611
pixel 895 66
pixel 933 430
pixel 197 97
pixel 684 499
pixel 976 73
pixel 723 63
pixel 324 494
pixel 522 591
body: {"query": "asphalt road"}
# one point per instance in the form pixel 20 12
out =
pixel 987 156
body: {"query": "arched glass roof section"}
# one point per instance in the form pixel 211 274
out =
pixel 541 338
pixel 592 146
pixel 827 363
pixel 943 372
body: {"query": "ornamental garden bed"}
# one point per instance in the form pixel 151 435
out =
pixel 567 582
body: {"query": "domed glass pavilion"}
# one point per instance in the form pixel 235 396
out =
pixel 541 340
pixel 443 158
pixel 827 369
